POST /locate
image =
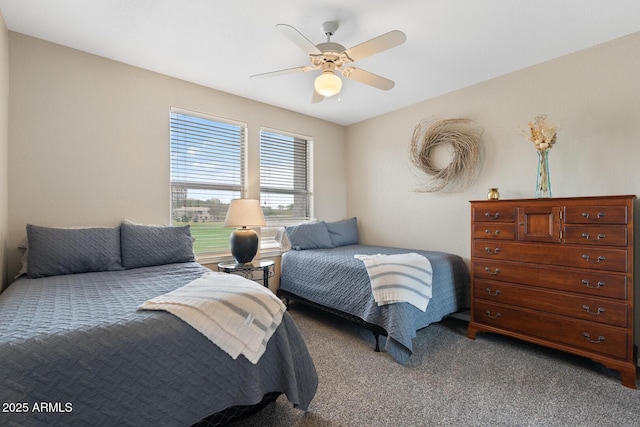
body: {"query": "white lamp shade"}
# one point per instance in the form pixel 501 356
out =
pixel 244 213
pixel 327 83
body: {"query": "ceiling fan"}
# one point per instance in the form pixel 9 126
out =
pixel 330 57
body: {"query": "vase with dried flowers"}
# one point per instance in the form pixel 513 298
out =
pixel 542 132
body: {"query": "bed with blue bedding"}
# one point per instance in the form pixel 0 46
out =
pixel 75 349
pixel 325 273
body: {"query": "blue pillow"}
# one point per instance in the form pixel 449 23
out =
pixel 57 251
pixel 145 246
pixel 309 236
pixel 343 233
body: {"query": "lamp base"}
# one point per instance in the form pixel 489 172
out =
pixel 243 243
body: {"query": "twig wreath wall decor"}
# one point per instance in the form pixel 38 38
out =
pixel 462 136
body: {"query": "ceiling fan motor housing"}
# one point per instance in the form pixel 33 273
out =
pixel 331 47
pixel 331 52
pixel 338 58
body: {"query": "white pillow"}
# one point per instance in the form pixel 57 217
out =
pixel 283 240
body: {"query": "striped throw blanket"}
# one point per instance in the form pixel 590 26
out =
pixel 399 278
pixel 236 314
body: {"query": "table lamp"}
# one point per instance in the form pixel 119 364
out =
pixel 243 242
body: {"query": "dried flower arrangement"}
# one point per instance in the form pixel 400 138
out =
pixel 463 136
pixel 542 133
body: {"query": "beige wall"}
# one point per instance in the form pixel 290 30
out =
pixel 89 143
pixel 4 148
pixel 90 140
pixel 593 96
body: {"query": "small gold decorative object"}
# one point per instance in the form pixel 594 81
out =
pixel 493 194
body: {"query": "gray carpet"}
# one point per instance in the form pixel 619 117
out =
pixel 450 381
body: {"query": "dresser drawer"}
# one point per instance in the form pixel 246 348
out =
pixel 497 230
pixel 584 334
pixel 574 305
pixel 589 282
pixel 553 254
pixel 594 235
pixel 484 213
pixel 614 214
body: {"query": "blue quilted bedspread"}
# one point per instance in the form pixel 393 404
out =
pixel 75 350
pixel 335 279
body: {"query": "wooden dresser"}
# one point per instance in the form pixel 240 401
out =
pixel 557 272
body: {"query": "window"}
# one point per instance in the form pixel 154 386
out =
pixel 208 169
pixel 285 181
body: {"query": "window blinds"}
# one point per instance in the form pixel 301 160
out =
pixel 207 171
pixel 285 178
pixel 206 154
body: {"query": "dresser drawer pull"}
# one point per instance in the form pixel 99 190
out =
pixel 490 251
pixel 598 237
pixel 492 216
pixel 496 293
pixel 588 310
pixel 488 270
pixel 599 215
pixel 494 316
pixel 598 341
pixel 588 284
pixel 588 258
pixel 496 233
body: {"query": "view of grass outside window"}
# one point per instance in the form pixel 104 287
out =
pixel 208 170
pixel 205 212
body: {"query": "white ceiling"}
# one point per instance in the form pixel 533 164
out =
pixel 450 44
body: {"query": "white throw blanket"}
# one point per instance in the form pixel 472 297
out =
pixel 237 314
pixel 399 277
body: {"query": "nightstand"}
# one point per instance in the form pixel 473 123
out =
pixel 246 270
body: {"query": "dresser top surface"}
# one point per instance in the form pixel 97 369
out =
pixel 561 199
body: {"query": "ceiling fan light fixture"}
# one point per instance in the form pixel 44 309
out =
pixel 328 84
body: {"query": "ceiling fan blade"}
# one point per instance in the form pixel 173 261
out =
pixel 296 36
pixel 375 45
pixel 368 78
pixel 281 72
pixel 316 98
